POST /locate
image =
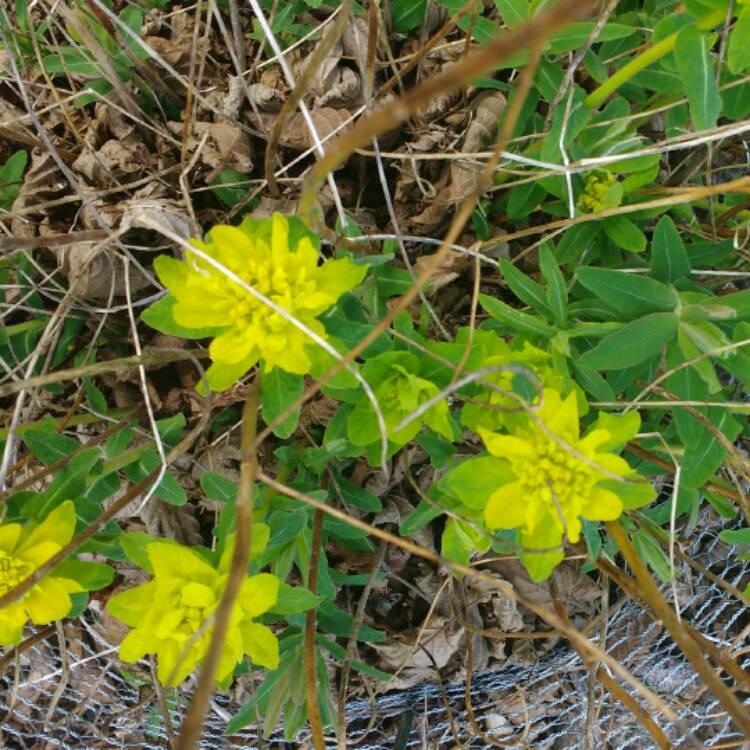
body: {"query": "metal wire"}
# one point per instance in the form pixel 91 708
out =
pixel 117 711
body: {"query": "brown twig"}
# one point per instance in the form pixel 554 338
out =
pixel 650 592
pixel 192 727
pixel 308 655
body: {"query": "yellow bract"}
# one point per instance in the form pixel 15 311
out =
pixel 171 614
pixel 289 277
pixel 22 551
pixel 554 486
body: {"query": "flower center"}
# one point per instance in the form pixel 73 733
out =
pixel 553 475
pixel 284 286
pixel 12 572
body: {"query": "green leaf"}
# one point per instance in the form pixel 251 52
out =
pixel 518 321
pixel 735 536
pixel 513 12
pixel 524 198
pixel 738 51
pixel 651 552
pixel 340 623
pixel 631 295
pixel 698 76
pixel 294 599
pixel 456 544
pixel 473 481
pixel 230 186
pixel 438 448
pixel 11 179
pixel 524 287
pixel 69 483
pixel 624 233
pixel 218 487
pixel 49 446
pixel 159 316
pixel 557 291
pixel 406 15
pixel 634 343
pixel 279 389
pixel 134 545
pixel 90 575
pixel 359 497
pixel 669 259
pixel 700 463
pixel 418 518
pixel 576 241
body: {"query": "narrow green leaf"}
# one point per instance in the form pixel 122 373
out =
pixel 735 536
pixel 279 389
pixel 634 343
pixel 624 233
pixel 406 15
pixel 359 497
pixel 524 287
pixel 418 518
pixel 669 259
pixel 513 12
pixel 517 320
pixel 631 295
pixel 218 487
pixel 698 76
pixel 557 291
pixel 134 544
pixel 49 446
pixel 738 51
pixel 294 599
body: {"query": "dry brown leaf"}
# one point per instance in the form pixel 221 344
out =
pixel 296 134
pixel 481 131
pixel 440 638
pixel 221 144
pixel 450 268
pixel 265 97
pixel 343 90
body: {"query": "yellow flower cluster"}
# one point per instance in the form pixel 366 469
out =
pixel 260 255
pixel 600 191
pixel 559 478
pixel 171 614
pixel 22 551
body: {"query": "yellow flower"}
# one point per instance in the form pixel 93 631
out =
pixel 286 272
pixel 553 489
pixel 22 551
pixel 602 190
pixel 475 415
pixel 170 614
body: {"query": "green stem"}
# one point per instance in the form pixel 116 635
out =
pixel 646 58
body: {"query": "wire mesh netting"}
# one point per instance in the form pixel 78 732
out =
pixel 550 704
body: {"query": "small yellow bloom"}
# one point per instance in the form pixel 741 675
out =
pixel 22 551
pixel 602 190
pixel 539 363
pixel 261 255
pixel 170 614
pixel 553 489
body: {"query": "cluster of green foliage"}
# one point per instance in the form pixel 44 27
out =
pixel 617 310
